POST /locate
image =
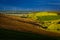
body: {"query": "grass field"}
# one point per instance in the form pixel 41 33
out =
pixel 47 18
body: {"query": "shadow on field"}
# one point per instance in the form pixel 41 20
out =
pixel 9 34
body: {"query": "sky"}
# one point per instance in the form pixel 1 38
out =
pixel 41 5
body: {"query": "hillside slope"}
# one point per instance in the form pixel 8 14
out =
pixel 23 25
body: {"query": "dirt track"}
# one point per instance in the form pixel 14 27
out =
pixel 22 24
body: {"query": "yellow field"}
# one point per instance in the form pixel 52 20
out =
pixel 50 19
pixel 40 14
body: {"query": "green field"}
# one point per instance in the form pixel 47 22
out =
pixel 47 18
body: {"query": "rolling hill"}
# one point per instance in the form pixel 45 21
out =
pixel 23 25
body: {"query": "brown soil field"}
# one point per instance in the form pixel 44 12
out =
pixel 23 25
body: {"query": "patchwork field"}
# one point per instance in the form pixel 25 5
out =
pixel 49 20
pixel 31 25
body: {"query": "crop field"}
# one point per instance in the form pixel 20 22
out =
pixel 47 20
pixel 50 21
pixel 30 26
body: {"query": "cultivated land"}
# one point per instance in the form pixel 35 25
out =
pixel 46 19
pixel 50 20
pixel 32 23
